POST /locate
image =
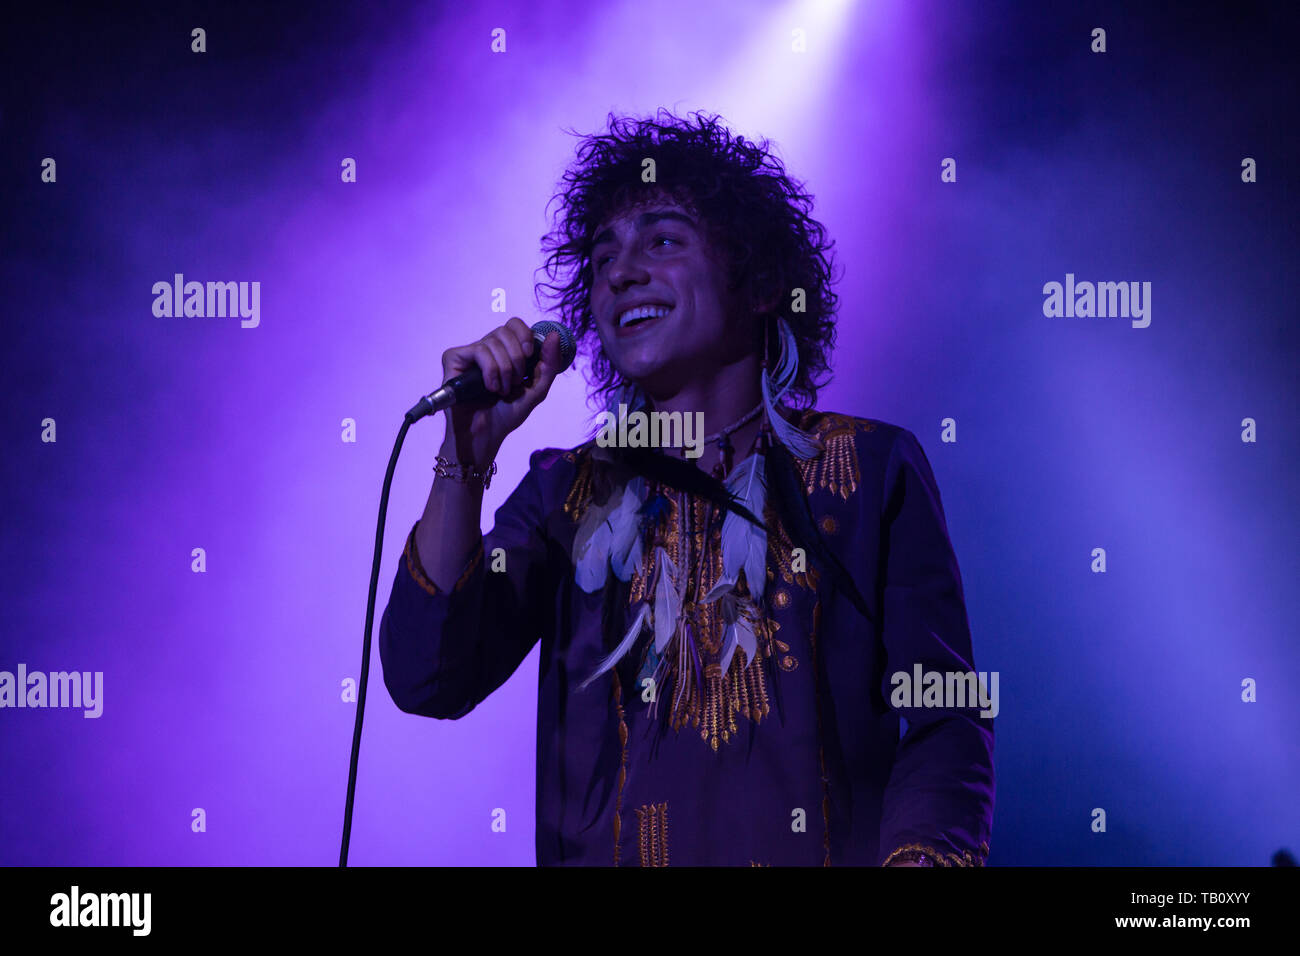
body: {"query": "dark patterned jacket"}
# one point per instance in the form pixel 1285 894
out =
pixel 796 760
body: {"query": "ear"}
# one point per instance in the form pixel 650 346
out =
pixel 767 301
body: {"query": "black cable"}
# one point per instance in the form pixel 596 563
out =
pixel 365 641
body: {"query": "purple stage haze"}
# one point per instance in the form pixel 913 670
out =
pixel 224 691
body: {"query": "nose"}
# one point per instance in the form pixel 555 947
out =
pixel 626 270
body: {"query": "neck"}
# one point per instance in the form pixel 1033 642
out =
pixel 724 398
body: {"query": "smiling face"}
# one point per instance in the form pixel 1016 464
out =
pixel 659 297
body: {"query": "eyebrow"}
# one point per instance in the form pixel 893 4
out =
pixel 643 220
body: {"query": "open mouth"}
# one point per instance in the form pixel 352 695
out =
pixel 641 316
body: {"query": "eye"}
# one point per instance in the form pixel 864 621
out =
pixel 601 260
pixel 659 239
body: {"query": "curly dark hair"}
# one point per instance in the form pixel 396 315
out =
pixel 756 216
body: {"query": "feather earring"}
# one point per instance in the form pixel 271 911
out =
pixel 775 384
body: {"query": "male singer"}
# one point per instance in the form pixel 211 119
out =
pixel 722 635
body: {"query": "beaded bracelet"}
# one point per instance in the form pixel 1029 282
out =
pixel 446 468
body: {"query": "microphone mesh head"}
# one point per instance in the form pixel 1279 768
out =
pixel 568 347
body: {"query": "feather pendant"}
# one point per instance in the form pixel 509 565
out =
pixel 744 545
pixel 723 587
pixel 609 532
pixel 667 601
pixel 729 608
pixel 739 633
pixel 591 546
pixel 696 671
pixel 746 640
pixel 728 647
pixel 625 645
pixel 625 531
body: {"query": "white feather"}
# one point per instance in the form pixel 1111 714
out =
pixel 800 443
pixel 776 382
pixel 625 645
pixel 728 646
pixel 591 545
pixel 744 544
pixel 787 363
pixel 667 601
pixel 745 639
pixel 724 586
pixel 625 525
pixel 609 532
pixel 729 608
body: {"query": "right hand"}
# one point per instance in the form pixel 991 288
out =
pixel 475 432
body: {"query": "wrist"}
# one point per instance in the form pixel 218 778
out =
pixel 474 476
pixel 469 449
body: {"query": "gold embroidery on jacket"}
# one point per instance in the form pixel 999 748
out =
pixel 652 818
pixel 780 550
pixel 416 569
pixel 742 692
pixel 575 504
pixel 836 468
pixel 918 852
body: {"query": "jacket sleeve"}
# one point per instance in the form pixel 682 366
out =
pixel 444 651
pixel 939 800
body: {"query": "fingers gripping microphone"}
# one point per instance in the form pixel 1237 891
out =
pixel 467 387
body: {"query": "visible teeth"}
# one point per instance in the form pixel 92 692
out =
pixel 643 312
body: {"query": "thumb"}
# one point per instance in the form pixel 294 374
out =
pixel 548 366
pixel 551 352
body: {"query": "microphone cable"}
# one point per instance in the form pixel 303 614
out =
pixel 447 394
pixel 365 641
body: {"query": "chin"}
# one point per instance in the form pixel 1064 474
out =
pixel 641 373
pixel 639 362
